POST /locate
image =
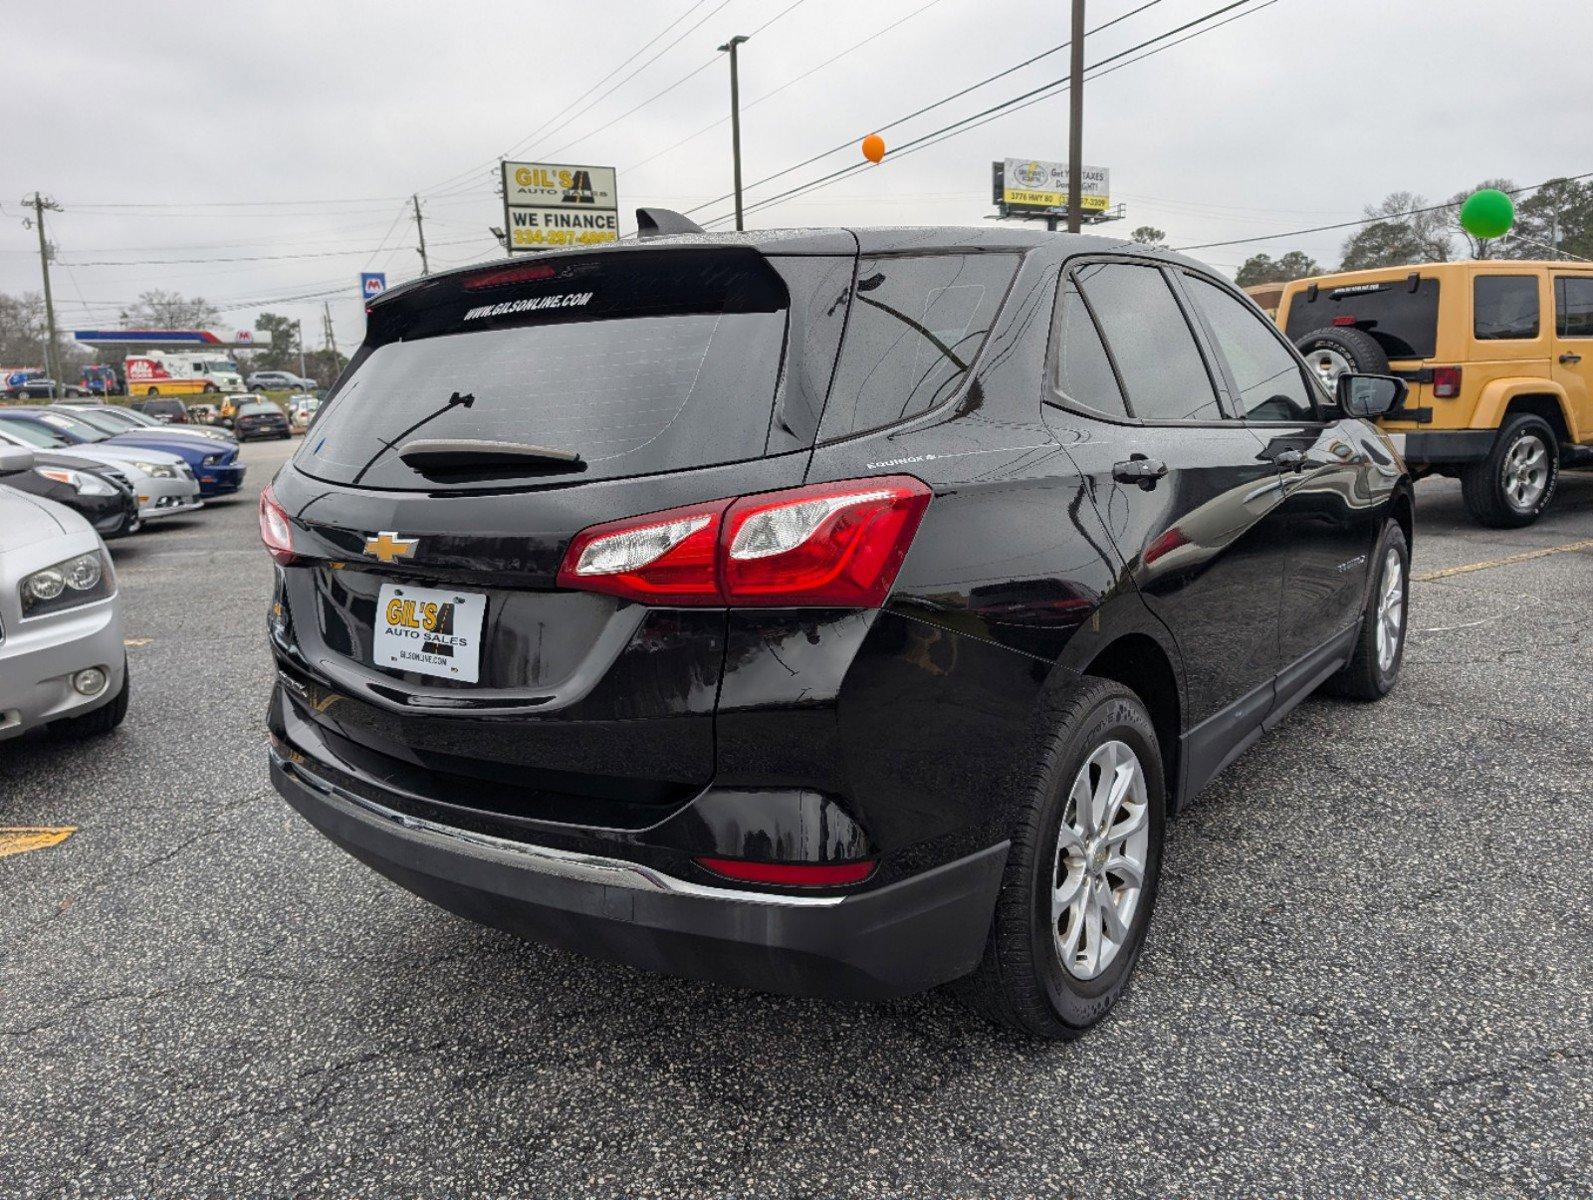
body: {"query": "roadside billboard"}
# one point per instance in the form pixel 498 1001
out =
pixel 551 205
pixel 1031 185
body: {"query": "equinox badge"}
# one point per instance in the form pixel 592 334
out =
pixel 389 547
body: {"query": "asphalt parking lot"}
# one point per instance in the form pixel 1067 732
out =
pixel 1370 970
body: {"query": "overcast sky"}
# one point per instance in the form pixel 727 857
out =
pixel 184 131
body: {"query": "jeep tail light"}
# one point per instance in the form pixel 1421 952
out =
pixel 1446 382
pixel 829 544
pixel 275 530
pixel 791 874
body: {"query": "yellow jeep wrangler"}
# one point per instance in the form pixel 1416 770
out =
pixel 1499 358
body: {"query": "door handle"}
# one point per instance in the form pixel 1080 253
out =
pixel 1141 470
pixel 1568 359
pixel 1289 460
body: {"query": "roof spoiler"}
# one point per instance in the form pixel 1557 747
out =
pixel 660 222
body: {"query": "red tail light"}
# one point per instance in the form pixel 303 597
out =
pixel 1446 382
pixel 275 529
pixel 837 544
pixel 791 874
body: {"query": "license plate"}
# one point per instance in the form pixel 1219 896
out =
pixel 428 630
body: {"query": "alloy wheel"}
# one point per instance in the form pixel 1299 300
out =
pixel 1526 472
pixel 1328 365
pixel 1390 611
pixel 1099 872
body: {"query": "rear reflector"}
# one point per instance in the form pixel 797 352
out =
pixel 1446 382
pixel 1344 322
pixel 791 874
pixel 830 544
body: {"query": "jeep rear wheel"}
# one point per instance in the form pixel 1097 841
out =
pixel 1514 484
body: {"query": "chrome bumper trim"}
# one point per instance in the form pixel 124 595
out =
pixel 544 860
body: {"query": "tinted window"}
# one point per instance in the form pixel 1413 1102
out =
pixel 258 407
pixel 915 327
pixel 1268 377
pixel 1084 373
pixel 1403 321
pixel 1505 307
pixel 639 362
pixel 1151 343
pixel 1573 305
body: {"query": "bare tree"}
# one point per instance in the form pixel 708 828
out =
pixel 1398 233
pixel 156 309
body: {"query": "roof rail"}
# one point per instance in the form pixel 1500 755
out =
pixel 660 222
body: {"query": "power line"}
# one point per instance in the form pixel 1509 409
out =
pixel 850 143
pixel 1023 100
pixel 172 262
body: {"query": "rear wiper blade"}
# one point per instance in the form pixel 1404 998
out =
pixel 470 456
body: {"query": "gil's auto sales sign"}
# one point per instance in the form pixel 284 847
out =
pixel 549 205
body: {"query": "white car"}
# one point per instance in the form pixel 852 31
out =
pixel 61 657
pixel 164 484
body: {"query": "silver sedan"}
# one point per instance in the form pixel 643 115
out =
pixel 61 657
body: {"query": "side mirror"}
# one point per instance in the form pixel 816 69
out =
pixel 15 459
pixel 1369 396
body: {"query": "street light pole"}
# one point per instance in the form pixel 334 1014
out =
pixel 1076 122
pixel 735 118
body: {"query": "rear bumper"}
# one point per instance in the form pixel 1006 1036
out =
pixel 1445 445
pixel 906 937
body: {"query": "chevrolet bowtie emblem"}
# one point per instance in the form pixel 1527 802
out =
pixel 389 547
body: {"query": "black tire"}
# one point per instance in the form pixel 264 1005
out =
pixel 1360 350
pixel 103 719
pixel 1483 485
pixel 1021 982
pixel 1365 677
pixel 154 391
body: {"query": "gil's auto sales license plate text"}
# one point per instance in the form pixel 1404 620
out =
pixel 429 631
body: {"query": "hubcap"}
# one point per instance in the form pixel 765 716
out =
pixel 1099 872
pixel 1328 365
pixel 1526 472
pixel 1390 611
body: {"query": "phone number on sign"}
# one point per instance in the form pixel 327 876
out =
pixel 563 237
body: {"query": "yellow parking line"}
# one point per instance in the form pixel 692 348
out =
pixel 1528 556
pixel 19 839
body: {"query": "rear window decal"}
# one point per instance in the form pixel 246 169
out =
pixel 529 304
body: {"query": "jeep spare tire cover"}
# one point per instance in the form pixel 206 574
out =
pixel 1333 350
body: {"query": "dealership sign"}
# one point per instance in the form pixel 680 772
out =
pixel 548 205
pixel 1028 185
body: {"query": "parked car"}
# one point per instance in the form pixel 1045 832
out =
pixel 62 664
pixel 116 418
pixel 165 409
pixel 98 493
pixel 1499 358
pixel 38 387
pixel 163 484
pixel 261 419
pixel 276 381
pixel 301 412
pixel 215 465
pixel 204 414
pixel 856 638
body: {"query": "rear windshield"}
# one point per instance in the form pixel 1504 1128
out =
pixel 1404 322
pixel 637 362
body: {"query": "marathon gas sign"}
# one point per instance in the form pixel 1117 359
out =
pixel 551 205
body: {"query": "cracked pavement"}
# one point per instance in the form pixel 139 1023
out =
pixel 1368 973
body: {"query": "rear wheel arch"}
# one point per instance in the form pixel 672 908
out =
pixel 1548 405
pixel 1504 398
pixel 1403 510
pixel 1140 663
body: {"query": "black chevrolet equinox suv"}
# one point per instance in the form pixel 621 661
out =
pixel 832 612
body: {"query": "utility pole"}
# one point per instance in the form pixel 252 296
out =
pixel 299 327
pixel 735 118
pixel 1076 122
pixel 52 356
pixel 421 230
pixel 331 336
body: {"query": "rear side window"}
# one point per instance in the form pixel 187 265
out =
pixel 1153 346
pixel 1573 306
pixel 1084 374
pixel 916 325
pixel 1268 377
pixel 1505 307
pixel 1402 319
pixel 638 362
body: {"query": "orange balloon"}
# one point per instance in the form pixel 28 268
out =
pixel 873 147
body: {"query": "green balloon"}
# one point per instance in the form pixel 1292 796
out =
pixel 1488 213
